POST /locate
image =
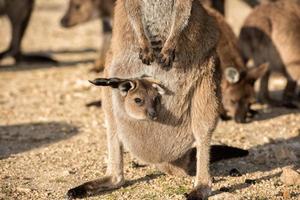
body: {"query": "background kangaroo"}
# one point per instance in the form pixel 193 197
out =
pixel 271 34
pixel 237 81
pixel 81 11
pixel 19 13
pixel 189 112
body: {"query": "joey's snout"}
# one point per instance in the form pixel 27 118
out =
pixel 152 114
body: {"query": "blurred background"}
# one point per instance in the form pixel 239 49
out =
pixel 52 133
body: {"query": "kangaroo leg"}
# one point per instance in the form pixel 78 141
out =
pixel 114 175
pixel 180 18
pixel 181 167
pixel 289 91
pixel 204 114
pixel 133 10
pixel 104 46
pixel 18 14
pixel 263 94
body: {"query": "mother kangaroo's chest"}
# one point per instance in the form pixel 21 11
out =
pixel 157 17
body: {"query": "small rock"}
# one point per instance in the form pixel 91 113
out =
pixel 286 194
pixel 290 177
pixel 224 189
pixel 234 173
pixel 250 181
pixel 136 165
pixel 23 190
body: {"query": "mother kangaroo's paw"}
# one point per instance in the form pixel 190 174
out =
pixel 166 58
pixel 199 193
pixel 146 55
pixel 95 187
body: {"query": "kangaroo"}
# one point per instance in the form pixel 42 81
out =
pixel 81 11
pixel 190 110
pixel 271 34
pixel 237 82
pixel 19 13
pixel 141 95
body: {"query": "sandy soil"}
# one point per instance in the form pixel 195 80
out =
pixel 50 141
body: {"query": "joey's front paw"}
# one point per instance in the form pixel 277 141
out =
pixel 199 193
pixel 166 58
pixel 146 55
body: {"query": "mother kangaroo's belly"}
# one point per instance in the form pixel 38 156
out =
pixel 153 142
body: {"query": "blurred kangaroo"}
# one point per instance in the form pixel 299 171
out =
pixel 81 11
pixel 237 81
pixel 19 13
pixel 271 33
pixel 189 111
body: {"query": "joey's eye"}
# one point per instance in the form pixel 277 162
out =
pixel 138 101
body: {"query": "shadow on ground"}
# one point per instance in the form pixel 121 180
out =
pixel 23 137
pixel 274 113
pixel 263 158
pixel 40 64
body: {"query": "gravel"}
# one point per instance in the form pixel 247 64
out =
pixel 50 141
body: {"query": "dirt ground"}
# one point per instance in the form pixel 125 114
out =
pixel 50 141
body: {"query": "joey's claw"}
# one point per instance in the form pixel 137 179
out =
pixel 166 58
pixel 146 55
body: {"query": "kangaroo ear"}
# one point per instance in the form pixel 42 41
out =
pixel 232 75
pixel 255 73
pixel 159 88
pixel 126 86
pixel 112 82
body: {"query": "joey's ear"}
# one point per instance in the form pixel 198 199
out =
pixel 112 82
pixel 232 75
pixel 126 86
pixel 257 72
pixel 159 88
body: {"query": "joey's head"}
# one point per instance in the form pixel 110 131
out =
pixel 80 11
pixel 238 91
pixel 141 96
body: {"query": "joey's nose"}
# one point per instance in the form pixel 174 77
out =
pixel 152 114
pixel 64 22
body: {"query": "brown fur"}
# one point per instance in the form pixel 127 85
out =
pixel 271 34
pixel 19 13
pixel 141 96
pixel 81 11
pixel 189 111
pixel 238 94
pixel 237 97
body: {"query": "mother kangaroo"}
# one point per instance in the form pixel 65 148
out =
pixel 147 36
